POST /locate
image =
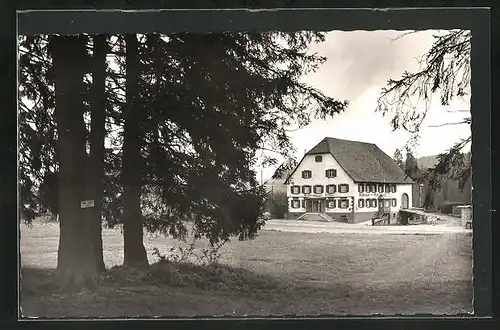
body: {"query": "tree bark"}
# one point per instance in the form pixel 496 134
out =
pixel 76 264
pixel 97 135
pixel 132 167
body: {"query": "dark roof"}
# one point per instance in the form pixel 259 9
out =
pixel 364 162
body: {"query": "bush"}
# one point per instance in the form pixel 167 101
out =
pixel 278 205
pixel 177 254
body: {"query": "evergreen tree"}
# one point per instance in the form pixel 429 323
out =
pixel 185 117
pixel 411 167
pixel 76 262
pixel 398 158
pixel 445 71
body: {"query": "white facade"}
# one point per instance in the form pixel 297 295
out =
pixel 318 177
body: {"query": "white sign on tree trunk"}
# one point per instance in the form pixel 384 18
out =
pixel 87 204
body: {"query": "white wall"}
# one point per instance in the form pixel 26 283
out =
pixel 400 190
pixel 318 178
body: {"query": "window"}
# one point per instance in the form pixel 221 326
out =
pixel 387 202
pixel 380 188
pixel 331 189
pixel 303 203
pixel 394 202
pixel 361 187
pixel 306 174
pixel 306 189
pixel 361 203
pixel 295 190
pixel 374 202
pixel 331 173
pixel 368 203
pixel 343 188
pixel 344 203
pixel 373 188
pixel 318 159
pixel 332 203
pixel 318 189
pixel 387 188
pixel 295 204
pixel 393 188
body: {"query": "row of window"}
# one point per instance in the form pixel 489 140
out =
pixel 344 203
pixel 331 204
pixel 319 189
pixel 373 202
pixel 329 173
pixel 372 188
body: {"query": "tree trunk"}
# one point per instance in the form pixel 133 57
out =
pixel 76 264
pixel 132 167
pixel 97 135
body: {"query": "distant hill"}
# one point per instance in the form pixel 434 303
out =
pixel 426 162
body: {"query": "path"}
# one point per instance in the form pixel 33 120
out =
pixel 363 228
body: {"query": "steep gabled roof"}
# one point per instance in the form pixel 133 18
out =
pixel 364 162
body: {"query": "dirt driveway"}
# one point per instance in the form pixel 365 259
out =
pixel 362 228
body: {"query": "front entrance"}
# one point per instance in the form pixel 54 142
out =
pixel 315 205
pixel 405 201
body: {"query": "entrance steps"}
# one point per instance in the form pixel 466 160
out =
pixel 315 217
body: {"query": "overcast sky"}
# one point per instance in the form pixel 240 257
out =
pixel 358 65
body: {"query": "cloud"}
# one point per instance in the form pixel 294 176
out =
pixel 358 60
pixel 358 65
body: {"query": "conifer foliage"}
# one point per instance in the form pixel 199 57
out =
pixel 168 135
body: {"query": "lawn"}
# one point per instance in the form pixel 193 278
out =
pixel 277 273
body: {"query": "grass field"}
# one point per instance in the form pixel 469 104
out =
pixel 277 273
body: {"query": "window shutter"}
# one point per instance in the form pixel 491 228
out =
pixel 303 203
pixel 303 174
pixel 326 173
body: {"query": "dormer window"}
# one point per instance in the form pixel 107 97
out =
pixel 306 174
pixel 318 159
pixel 331 173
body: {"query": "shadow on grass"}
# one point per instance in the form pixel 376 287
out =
pixel 187 290
pixel 164 274
pixel 166 289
